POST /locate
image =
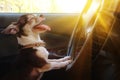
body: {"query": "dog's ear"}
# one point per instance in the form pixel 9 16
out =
pixel 23 19
pixel 11 29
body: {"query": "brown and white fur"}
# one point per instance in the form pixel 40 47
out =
pixel 32 61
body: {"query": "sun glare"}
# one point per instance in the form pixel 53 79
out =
pixel 47 6
pixel 70 6
pixel 60 6
pixel 91 11
pixel 94 6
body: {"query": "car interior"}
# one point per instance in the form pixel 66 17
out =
pixel 91 38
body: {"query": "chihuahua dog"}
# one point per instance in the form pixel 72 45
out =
pixel 32 60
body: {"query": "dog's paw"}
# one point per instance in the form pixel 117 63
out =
pixel 70 61
pixel 67 58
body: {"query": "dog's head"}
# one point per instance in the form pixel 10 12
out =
pixel 27 24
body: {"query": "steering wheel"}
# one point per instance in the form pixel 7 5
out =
pixel 82 33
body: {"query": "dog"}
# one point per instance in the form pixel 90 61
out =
pixel 32 60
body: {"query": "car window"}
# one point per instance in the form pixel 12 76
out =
pixel 42 6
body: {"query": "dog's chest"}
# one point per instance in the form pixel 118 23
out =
pixel 42 52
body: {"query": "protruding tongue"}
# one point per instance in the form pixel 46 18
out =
pixel 43 27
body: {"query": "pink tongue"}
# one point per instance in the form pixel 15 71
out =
pixel 43 27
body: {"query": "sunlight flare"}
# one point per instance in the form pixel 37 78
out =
pixel 71 6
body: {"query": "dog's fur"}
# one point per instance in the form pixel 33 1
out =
pixel 32 61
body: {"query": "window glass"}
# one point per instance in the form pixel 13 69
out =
pixel 42 6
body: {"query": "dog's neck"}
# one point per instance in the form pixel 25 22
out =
pixel 30 39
